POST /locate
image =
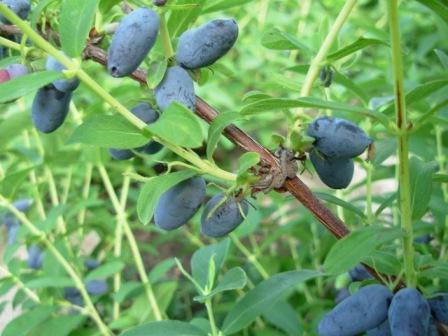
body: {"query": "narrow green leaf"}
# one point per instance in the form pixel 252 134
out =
pixel 384 262
pixel 346 205
pixel 285 317
pixel 178 125
pixel 105 270
pixel 438 7
pixel 215 130
pixel 279 40
pixel 261 299
pixel 12 181
pixel 50 281
pixel 108 131
pixel 200 260
pixel 58 325
pixel 443 57
pixel 233 279
pixel 247 160
pixel 76 20
pixel 350 250
pixel 421 185
pixel 24 85
pixel 359 44
pixel 12 127
pixel 270 104
pixel 154 188
pixel 165 328
pixel 440 178
pixel 215 6
pixel 26 321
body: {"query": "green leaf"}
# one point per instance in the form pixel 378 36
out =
pixel 216 127
pixel 215 6
pixel 419 93
pixel 50 281
pixel 261 299
pixel 178 125
pixel 285 317
pixel 233 279
pixel 279 40
pixel 421 185
pixel 440 178
pixel 182 17
pixel 24 85
pixel 156 72
pixel 165 328
pixel 106 5
pixel 443 57
pixel 28 320
pixel 12 127
pixel 359 44
pixel 384 262
pixel 76 20
pixel 346 205
pixel 105 270
pixel 438 7
pixel 108 131
pixel 154 188
pixel 247 160
pixel 350 250
pixel 12 181
pixel 58 325
pixel 200 261
pixel 270 104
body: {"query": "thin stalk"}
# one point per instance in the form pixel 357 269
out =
pixel 403 150
pixel 441 160
pixel 63 262
pixel 66 186
pixel 132 243
pixel 369 193
pixel 85 195
pixel 251 257
pixel 9 44
pixel 118 241
pixel 211 317
pixel 317 61
pixel 33 296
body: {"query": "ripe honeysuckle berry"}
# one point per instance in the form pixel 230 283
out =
pixel 219 221
pixel 439 307
pixel 147 114
pixel 409 313
pixel 132 41
pixel 360 273
pixel 335 173
pixel 50 108
pixel 176 86
pixel 35 257
pixel 203 46
pixel 97 287
pixel 382 330
pixel 338 138
pixel 178 204
pixel 362 311
pixel 16 70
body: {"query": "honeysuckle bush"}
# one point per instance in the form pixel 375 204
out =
pixel 381 66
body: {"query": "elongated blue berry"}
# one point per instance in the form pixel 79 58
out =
pixel 177 86
pixel 335 173
pixel 220 220
pixel 16 70
pixel 382 330
pixel 439 308
pixel 134 38
pixel 338 138
pixel 50 108
pixel 362 311
pixel 203 46
pixel 178 205
pixel 409 313
pixel 35 257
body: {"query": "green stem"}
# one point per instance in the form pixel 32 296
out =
pixel 316 63
pixel 62 261
pixel 9 44
pixel 211 317
pixel 6 273
pixel 118 241
pixel 85 195
pixel 121 214
pixel 251 257
pixel 441 160
pixel 369 193
pixel 403 150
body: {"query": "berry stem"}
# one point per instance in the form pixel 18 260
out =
pixel 121 216
pixel 211 317
pixel 403 148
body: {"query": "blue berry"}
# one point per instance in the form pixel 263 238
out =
pixel 20 7
pixel 35 257
pixel 97 287
pixel 382 330
pixel 335 173
pixel 439 308
pixel 203 46
pixel 64 85
pixel 360 312
pixel 409 313
pixel 134 38
pixel 360 273
pixel 178 205
pixel 219 221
